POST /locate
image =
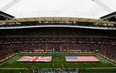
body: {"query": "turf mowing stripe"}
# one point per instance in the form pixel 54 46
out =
pixel 82 68
pixel 101 68
pixel 13 68
pixel 105 60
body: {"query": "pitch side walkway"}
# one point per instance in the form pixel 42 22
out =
pixel 84 68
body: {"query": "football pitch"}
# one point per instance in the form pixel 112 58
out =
pixel 58 61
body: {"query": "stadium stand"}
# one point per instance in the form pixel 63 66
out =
pixel 109 17
pixel 57 37
pixel 5 16
pixel 44 40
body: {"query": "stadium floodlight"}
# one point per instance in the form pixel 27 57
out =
pixel 67 22
pixel 46 22
pixel 51 22
pixel 74 22
pixel 39 21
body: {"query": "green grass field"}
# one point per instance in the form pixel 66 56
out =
pixel 12 63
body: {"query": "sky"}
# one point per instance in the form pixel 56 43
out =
pixel 58 8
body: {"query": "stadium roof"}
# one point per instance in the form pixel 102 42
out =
pixel 61 19
pixel 58 8
pixel 51 19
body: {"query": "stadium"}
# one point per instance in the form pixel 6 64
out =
pixel 57 43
